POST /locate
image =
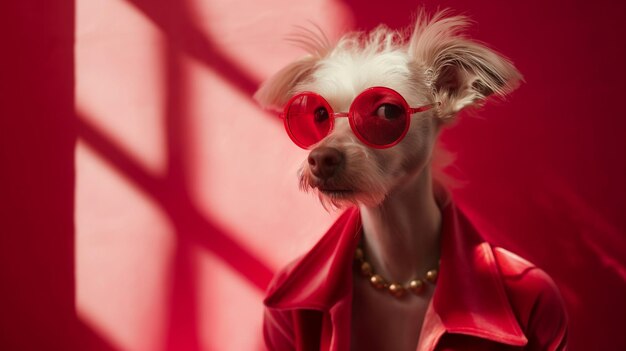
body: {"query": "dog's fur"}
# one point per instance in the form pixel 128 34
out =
pixel 393 187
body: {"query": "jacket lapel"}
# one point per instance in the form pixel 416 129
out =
pixel 321 277
pixel 322 280
pixel 470 297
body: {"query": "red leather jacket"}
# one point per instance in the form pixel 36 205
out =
pixel 486 298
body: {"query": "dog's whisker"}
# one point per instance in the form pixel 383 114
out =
pixel 319 37
pixel 321 33
pixel 315 43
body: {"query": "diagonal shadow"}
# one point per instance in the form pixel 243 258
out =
pixel 175 22
pixel 175 202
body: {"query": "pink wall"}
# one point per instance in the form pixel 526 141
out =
pixel 145 200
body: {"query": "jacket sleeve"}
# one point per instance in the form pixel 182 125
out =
pixel 547 323
pixel 278 331
pixel 537 302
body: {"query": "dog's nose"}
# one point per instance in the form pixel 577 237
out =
pixel 324 161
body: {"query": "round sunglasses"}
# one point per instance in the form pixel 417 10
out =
pixel 379 117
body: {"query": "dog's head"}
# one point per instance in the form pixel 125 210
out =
pixel 436 66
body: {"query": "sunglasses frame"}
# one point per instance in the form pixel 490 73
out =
pixel 350 115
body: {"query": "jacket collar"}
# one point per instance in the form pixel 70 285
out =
pixel 322 278
pixel 318 280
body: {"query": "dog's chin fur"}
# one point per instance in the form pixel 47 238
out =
pixel 369 189
pixel 336 201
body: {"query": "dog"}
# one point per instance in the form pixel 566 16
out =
pixel 369 109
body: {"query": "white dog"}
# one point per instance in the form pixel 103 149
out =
pixel 369 108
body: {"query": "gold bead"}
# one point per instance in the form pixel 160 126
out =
pixel 377 281
pixel 358 254
pixel 431 276
pixel 396 289
pixel 416 286
pixel 366 269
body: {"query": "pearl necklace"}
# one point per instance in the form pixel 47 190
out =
pixel 416 286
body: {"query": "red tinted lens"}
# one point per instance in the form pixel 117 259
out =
pixel 308 119
pixel 379 116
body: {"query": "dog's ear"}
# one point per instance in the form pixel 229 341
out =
pixel 276 91
pixel 460 72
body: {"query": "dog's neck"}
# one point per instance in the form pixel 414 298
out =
pixel 401 235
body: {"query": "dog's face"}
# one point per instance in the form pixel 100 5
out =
pixel 341 167
pixel 435 65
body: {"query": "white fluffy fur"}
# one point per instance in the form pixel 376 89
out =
pixel 436 63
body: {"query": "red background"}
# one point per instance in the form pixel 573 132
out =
pixel 145 200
